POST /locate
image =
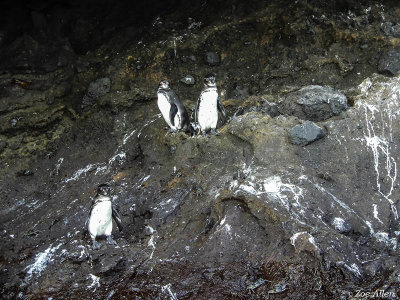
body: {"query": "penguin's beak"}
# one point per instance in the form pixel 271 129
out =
pixel 210 82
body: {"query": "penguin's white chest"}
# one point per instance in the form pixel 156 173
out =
pixel 100 222
pixel 208 110
pixel 165 107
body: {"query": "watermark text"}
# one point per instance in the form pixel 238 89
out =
pixel 375 294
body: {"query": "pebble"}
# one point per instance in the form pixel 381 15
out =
pixel 14 121
pixel 188 80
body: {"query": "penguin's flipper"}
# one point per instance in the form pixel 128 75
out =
pixel 86 229
pixel 196 111
pixel 117 218
pixel 172 113
pixel 222 110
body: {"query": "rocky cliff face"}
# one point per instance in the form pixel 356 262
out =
pixel 298 197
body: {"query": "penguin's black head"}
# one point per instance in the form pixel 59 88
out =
pixel 164 84
pixel 209 80
pixel 103 189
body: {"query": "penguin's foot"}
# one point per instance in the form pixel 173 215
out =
pixel 204 134
pixel 172 130
pixel 110 240
pixel 95 245
pixel 214 132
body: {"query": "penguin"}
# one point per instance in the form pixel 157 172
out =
pixel 208 105
pixel 101 213
pixel 172 109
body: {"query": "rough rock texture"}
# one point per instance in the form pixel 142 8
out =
pixel 243 215
pixel 96 89
pixel 99 87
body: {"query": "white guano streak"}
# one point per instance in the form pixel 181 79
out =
pixel 276 190
pixel 41 261
pixel 104 166
pixel 380 144
pixel 167 288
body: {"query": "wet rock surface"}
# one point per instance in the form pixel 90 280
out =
pixel 248 214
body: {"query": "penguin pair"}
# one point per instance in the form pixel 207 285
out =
pixel 206 113
pixel 101 213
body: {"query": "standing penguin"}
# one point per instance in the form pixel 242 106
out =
pixel 172 109
pixel 100 216
pixel 207 107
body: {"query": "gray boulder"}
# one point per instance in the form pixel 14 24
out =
pixel 391 30
pixel 314 103
pixel 306 133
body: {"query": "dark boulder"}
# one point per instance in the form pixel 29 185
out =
pixel 314 103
